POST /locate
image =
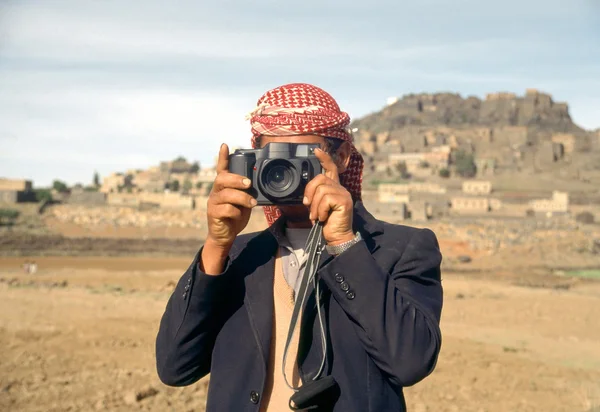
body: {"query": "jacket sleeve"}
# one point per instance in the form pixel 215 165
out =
pixel 396 315
pixel 194 315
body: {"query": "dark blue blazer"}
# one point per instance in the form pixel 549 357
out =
pixel 383 331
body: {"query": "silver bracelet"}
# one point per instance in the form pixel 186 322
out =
pixel 338 249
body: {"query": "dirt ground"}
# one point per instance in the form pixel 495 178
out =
pixel 79 336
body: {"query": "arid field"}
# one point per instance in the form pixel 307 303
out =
pixel 78 335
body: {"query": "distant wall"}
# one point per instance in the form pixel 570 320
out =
pixel 163 200
pixel 87 198
pixel 16 196
pixel 18 185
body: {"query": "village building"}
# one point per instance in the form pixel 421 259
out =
pixel 477 187
pixel 558 204
pixel 16 191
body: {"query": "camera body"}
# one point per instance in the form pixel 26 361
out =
pixel 279 171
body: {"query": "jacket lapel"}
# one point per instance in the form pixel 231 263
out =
pixel 259 290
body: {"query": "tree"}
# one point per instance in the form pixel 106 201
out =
pixel 180 159
pixel 445 173
pixel 174 186
pixel 199 185
pixel 96 179
pixel 60 186
pixel 42 195
pixel 187 185
pixel 195 168
pixel 465 164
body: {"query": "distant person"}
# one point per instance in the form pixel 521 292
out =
pixel 33 268
pixel 381 292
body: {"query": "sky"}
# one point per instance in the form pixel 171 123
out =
pixel 110 85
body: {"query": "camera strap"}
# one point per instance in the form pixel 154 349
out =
pixel 313 248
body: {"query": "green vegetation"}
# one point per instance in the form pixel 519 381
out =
pixel 174 186
pixel 195 167
pixel 8 217
pixel 587 273
pixel 60 186
pixel 187 185
pixel 43 195
pixel 96 179
pixel 445 173
pixel 465 164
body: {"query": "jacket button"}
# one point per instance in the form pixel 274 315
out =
pixel 339 278
pixel 254 397
pixel 345 286
pixel 184 295
pixel 350 295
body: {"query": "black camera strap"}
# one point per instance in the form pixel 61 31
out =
pixel 313 248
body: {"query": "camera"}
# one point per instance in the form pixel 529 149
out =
pixel 279 171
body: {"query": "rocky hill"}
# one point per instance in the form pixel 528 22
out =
pixel 509 133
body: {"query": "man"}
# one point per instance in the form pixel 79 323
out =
pixel 230 312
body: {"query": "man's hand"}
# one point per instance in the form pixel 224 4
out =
pixel 330 202
pixel 228 213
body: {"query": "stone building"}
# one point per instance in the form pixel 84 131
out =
pixel 16 191
pixel 486 166
pixel 559 203
pixel 513 135
pixel 477 187
pixel 470 204
pixel 567 140
pixel 416 187
pixel 112 182
pixel 418 211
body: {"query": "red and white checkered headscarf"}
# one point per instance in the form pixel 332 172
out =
pixel 300 108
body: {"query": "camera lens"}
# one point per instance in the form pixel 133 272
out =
pixel 279 179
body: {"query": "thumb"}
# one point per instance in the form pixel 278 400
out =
pixel 223 160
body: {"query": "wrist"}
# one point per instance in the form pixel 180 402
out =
pixel 340 248
pixel 214 256
pixel 346 237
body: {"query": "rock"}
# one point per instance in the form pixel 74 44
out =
pixel 133 397
pixel 464 259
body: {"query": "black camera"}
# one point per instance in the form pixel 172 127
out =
pixel 279 171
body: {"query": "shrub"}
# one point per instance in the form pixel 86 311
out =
pixel 60 186
pixel 465 164
pixel 8 216
pixel 445 173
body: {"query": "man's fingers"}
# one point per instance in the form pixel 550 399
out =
pixel 227 211
pixel 234 197
pixel 320 193
pixel 226 180
pixel 311 187
pixel 223 160
pixel 329 201
pixel 329 166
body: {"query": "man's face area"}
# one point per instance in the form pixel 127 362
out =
pixel 297 215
